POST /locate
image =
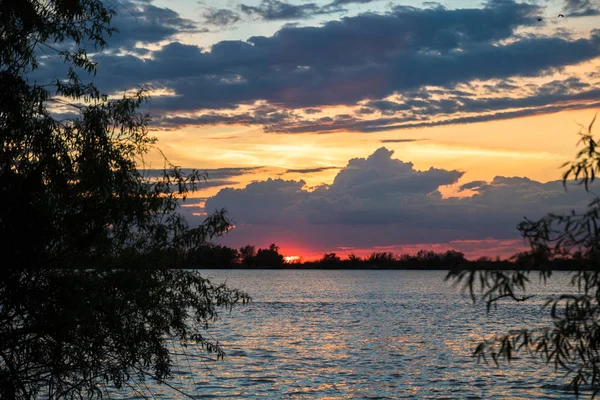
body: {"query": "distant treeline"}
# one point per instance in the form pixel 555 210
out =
pixel 248 257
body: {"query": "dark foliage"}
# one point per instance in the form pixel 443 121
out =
pixel 269 258
pixel 571 339
pixel 211 254
pixel 223 257
pixel 86 296
pixel 330 259
pixel 247 255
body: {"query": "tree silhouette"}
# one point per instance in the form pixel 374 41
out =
pixel 571 341
pixel 269 258
pixel 86 299
pixel 353 258
pixel 213 256
pixel 247 254
pixel 330 260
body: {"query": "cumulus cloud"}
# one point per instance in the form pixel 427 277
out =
pixel 380 174
pixel 262 202
pixel 382 201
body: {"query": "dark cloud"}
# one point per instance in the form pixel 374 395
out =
pixel 309 170
pixel 338 3
pixel 271 119
pixel 265 201
pixel 474 185
pixel 224 137
pixel 581 8
pixel 365 111
pixel 380 173
pixel 344 61
pixel 271 10
pixel 433 4
pixel 388 107
pixel 215 174
pixel 400 140
pixel 497 116
pixel 312 110
pixel 223 173
pixel 220 17
pixel 360 61
pixel 211 183
pixel 139 21
pixel 381 201
pixel 274 10
pixel 414 112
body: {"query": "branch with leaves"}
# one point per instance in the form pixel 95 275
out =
pixel 571 339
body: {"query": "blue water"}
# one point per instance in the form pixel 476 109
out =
pixel 362 334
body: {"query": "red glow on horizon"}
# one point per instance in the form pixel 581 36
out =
pixel 473 249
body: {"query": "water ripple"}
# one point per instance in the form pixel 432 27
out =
pixel 363 334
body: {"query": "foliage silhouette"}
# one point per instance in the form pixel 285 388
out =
pixel 86 296
pixel 224 257
pixel 247 255
pixel 330 259
pixel 269 258
pixel 211 254
pixel 571 341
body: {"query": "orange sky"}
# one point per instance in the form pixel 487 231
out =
pixel 534 147
pixel 295 93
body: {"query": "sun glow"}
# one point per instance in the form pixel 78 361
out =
pixel 291 259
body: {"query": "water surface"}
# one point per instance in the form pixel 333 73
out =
pixel 364 334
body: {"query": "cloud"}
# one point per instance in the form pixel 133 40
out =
pixel 275 10
pixel 312 110
pixel 222 173
pixel 220 17
pixel 260 202
pixel 139 21
pixel 336 3
pixel 494 116
pixel 224 137
pixel 380 173
pixel 474 185
pixel 414 110
pixel 309 170
pixel 211 183
pixel 382 201
pixel 211 174
pixel 581 8
pixel 418 111
pixel 265 119
pixel 271 10
pixel 349 52
pixel 381 66
pixel 400 140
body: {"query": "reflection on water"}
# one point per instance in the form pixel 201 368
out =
pixel 362 334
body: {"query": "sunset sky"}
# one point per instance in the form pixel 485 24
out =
pixel 357 125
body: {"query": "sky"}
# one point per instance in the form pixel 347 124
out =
pixel 363 125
